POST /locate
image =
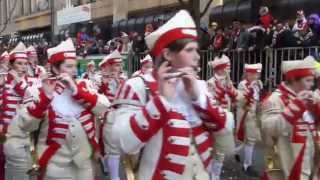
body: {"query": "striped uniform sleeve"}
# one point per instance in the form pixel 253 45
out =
pixel 33 112
pixel 92 100
pixel 135 123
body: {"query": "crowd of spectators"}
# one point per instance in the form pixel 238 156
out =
pixel 267 32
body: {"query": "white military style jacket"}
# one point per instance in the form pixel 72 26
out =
pixel 67 133
pixel 175 142
pixel 289 132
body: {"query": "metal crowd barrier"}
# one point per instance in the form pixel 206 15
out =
pixel 269 58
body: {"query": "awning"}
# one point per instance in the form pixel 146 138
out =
pixel 138 23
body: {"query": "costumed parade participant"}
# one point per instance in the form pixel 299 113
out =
pixel 225 95
pixel 169 113
pixel 146 66
pixel 64 114
pixel 16 143
pixel 249 97
pixel 288 124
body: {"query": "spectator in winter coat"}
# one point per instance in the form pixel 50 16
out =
pixel 243 39
pixel 219 40
pixel 314 24
pixel 265 17
pixel 257 40
pixel 283 37
pixel 300 22
pixel 139 45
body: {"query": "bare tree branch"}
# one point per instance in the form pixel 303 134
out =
pixel 5 24
pixel 206 8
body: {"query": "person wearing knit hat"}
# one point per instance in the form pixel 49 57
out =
pixel 34 70
pixel 66 109
pixel 224 93
pixel 167 113
pixel 146 65
pixel 249 90
pixel 288 124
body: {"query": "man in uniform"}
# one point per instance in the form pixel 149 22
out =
pixel 224 95
pixel 288 125
pixel 146 66
pixel 111 68
pixel 249 90
pixel 16 146
pixel 34 69
pixel 64 114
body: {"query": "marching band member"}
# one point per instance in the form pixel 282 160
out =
pixel 111 82
pixel 146 66
pixel 168 113
pixel 90 71
pixel 4 68
pixel 34 70
pixel 64 112
pixel 249 91
pixel 16 142
pixel 4 62
pixel 288 126
pixel 111 68
pixel 225 95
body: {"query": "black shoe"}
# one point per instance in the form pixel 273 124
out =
pixel 251 171
pixel 237 158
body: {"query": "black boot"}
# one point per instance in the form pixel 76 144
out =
pixel 251 171
pixel 237 158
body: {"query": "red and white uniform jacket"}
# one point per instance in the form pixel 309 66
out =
pixel 37 71
pixel 67 127
pixel 138 73
pixel 141 73
pixel 12 96
pixel 171 133
pixel 248 101
pixel 223 92
pixel 289 133
pixel 109 86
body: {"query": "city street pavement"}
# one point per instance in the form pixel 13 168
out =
pixel 232 169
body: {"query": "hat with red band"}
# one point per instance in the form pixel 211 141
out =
pixel 220 63
pixel 65 50
pixel 91 63
pixel 4 56
pixel 19 52
pixel 180 26
pixel 253 68
pixel 31 52
pixel 298 68
pixel 112 58
pixel 145 60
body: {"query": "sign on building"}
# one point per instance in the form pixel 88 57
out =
pixel 74 15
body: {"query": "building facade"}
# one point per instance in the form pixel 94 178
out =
pixel 29 17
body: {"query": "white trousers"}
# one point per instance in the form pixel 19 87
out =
pixel 56 172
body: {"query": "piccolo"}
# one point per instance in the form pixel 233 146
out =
pixel 175 75
pixel 51 78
